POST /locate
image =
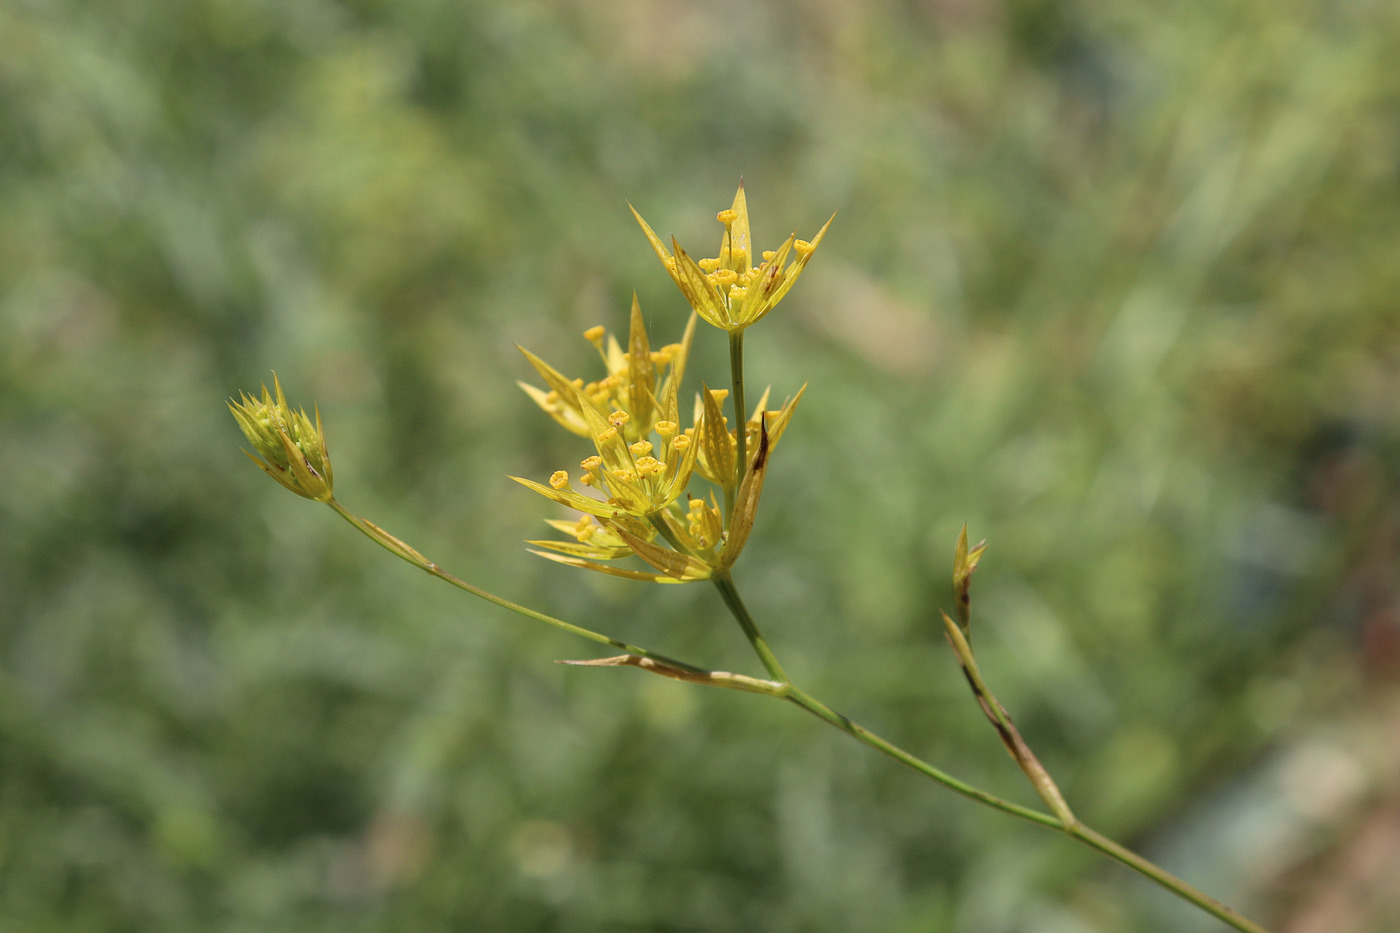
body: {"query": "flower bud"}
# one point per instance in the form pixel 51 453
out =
pixel 287 445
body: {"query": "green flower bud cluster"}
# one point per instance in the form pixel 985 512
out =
pixel 287 444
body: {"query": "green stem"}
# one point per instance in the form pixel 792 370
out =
pixel 1010 736
pixel 854 729
pixel 400 549
pixel 1163 877
pixel 741 412
pixel 664 530
pixel 1075 830
pixel 725 584
pixel 1069 826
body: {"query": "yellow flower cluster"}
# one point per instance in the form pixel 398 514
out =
pixel 622 412
pixel 643 461
pixel 728 291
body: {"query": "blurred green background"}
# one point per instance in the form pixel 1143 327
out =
pixel 1116 284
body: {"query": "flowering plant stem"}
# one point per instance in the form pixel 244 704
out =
pixel 620 413
pixel 725 584
pixel 782 687
pixel 398 548
pixel 1067 824
pixel 1061 817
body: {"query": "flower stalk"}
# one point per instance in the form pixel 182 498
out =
pixel 634 501
pixel 402 550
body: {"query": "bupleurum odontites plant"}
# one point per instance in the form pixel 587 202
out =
pixel 684 499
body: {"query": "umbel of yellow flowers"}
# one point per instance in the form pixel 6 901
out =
pixel 643 462
pixel 728 291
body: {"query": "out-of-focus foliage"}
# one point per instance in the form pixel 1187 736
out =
pixel 1117 284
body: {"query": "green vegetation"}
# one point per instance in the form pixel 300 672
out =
pixel 1116 287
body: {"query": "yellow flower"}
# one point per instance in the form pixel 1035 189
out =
pixel 289 447
pixel 700 546
pixel 643 461
pixel 728 291
pixel 641 381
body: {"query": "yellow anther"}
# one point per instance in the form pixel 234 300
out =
pixel 559 479
pixel 660 357
pixel 591 463
pixel 585 532
pixel 640 449
pixel 727 216
pixel 588 479
pixel 737 292
pixel 707 265
pixel 768 255
pixel 552 397
pixel 647 466
pixel 719 395
pixel 618 418
pixel 802 247
pixel 680 442
pixel 625 476
pixel 607 436
pixel 667 429
pixel 725 277
pixel 697 506
pixel 594 334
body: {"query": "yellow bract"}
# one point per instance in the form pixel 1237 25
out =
pixel 720 468
pixel 728 291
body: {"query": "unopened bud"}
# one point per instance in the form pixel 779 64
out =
pixel 287 444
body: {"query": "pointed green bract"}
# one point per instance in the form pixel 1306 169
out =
pixel 964 563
